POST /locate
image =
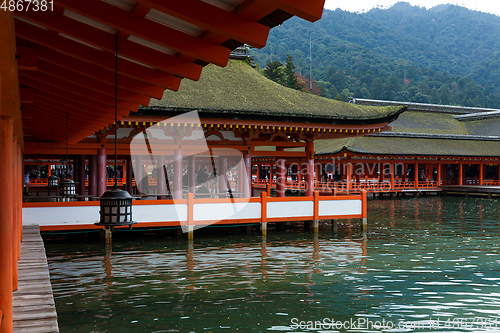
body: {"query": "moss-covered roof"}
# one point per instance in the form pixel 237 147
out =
pixel 240 89
pixel 430 123
pixel 409 146
pixel 488 127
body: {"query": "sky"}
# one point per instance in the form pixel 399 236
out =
pixel 487 6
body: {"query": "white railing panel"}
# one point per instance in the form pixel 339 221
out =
pixel 159 213
pixel 340 207
pixel 60 215
pixel 226 211
pixel 290 209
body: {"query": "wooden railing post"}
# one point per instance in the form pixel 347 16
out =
pixel 190 218
pixel 263 213
pixel 364 210
pixel 6 223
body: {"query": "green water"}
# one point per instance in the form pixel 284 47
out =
pixel 425 265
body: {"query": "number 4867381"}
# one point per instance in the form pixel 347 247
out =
pixel 27 5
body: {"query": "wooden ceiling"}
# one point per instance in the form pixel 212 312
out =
pixel 67 54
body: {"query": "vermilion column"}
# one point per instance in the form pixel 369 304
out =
pixel 192 174
pixel 15 221
pixel 415 174
pixel 93 175
pixel 247 179
pixel 101 171
pixel 280 177
pixel 460 174
pixel 6 223
pixel 439 170
pixel 223 176
pixel 348 176
pixel 138 174
pixel 81 174
pixel 481 173
pixel 177 174
pixel 130 175
pixel 280 174
pixel 392 175
pixel 310 168
pixel 161 181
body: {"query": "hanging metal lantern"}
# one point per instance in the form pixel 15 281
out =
pixel 67 188
pixel 116 208
pixel 53 181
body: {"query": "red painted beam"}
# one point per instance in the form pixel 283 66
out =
pixel 106 41
pixel 77 99
pixel 88 54
pixel 44 78
pixel 28 58
pixel 149 30
pixel 107 76
pixel 26 95
pixel 77 118
pixel 91 83
pixel 52 101
pixel 214 19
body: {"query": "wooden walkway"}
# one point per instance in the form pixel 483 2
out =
pixel 34 310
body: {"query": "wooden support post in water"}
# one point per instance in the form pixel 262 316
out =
pixel 190 213
pixel 263 229
pixel 334 226
pixel 364 210
pixel 263 213
pixel 106 235
pixel 315 227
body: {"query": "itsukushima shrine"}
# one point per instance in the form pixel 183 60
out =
pixel 57 95
pixel 69 71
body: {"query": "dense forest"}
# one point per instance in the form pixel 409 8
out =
pixel 444 55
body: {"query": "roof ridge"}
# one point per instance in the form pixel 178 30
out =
pixel 437 136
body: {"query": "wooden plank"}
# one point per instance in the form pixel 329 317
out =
pixel 33 303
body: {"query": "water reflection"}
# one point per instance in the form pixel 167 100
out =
pixel 422 259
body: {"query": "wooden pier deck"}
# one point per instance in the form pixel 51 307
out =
pixel 472 189
pixel 34 310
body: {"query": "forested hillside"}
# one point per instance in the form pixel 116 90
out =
pixel 447 54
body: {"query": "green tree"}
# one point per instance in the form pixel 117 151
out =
pixel 276 72
pixel 291 78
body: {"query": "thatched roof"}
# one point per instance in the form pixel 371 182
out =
pixel 425 134
pixel 409 146
pixel 239 90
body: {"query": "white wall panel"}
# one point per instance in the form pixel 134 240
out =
pixel 290 209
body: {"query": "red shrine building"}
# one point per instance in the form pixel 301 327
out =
pixel 68 70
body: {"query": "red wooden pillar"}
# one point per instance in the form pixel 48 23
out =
pixel 415 174
pixel 222 176
pixel 81 174
pixel 310 168
pixel 392 174
pixel 93 175
pixel 271 173
pixel 192 174
pixel 258 172
pixel 161 181
pixel 481 173
pixel 177 174
pixel 461 173
pixel 280 177
pixel 6 223
pixel 129 174
pixel 247 175
pixel 138 175
pixel 280 174
pixel 101 171
pixel 439 170
pixel 349 175
pixel 15 221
